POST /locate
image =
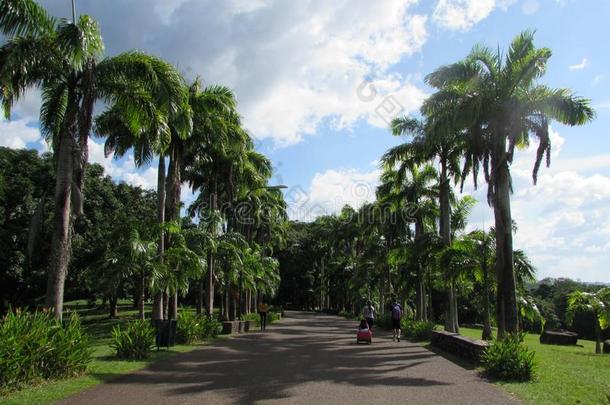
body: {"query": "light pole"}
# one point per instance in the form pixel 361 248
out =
pixel 241 270
pixel 73 12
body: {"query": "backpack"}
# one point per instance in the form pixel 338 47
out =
pixel 396 312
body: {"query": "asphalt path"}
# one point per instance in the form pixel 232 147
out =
pixel 305 359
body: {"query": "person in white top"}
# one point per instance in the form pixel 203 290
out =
pixel 369 314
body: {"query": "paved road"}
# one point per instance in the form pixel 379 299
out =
pixel 305 359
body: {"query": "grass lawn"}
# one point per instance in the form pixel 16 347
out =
pixel 104 365
pixel 564 374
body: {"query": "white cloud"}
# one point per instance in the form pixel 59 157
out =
pixel 330 191
pixel 293 65
pixel 579 66
pixel 17 134
pixel 565 216
pixel 463 14
pixel 530 6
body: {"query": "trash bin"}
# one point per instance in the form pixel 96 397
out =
pixel 165 332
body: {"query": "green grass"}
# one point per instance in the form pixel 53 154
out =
pixel 104 366
pixel 564 374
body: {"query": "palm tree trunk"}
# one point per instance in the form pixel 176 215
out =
pixel 209 285
pixel 60 245
pixel 165 305
pixel 200 295
pixel 173 306
pixel 114 313
pixel 445 230
pixel 157 310
pixel 486 305
pixel 507 298
pixel 142 295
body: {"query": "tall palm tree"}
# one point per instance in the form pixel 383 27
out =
pixel 499 101
pixel 436 137
pixel 65 59
pixel 416 186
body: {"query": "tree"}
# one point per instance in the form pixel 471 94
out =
pixel 64 59
pixel 501 105
pixel 598 303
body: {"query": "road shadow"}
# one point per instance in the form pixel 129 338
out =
pixel 299 350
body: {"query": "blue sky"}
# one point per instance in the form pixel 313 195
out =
pixel 304 71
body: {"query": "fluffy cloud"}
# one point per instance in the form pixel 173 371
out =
pixel 563 221
pixel 463 14
pixel 330 191
pixel 17 134
pixel 292 65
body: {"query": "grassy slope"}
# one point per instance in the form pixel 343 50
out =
pixel 103 367
pixel 564 374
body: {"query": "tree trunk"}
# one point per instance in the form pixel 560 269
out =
pixel 165 305
pixel 200 295
pixel 60 244
pixel 487 335
pixel 173 306
pixel 158 304
pixel 445 230
pixel 209 285
pixel 114 312
pixel 507 298
pixel 142 296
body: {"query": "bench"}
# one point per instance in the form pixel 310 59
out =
pixel 462 346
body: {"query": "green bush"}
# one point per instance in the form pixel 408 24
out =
pixel 509 359
pixel 417 331
pixel 189 327
pixel 254 317
pixel 134 341
pixel 35 346
pixel 211 327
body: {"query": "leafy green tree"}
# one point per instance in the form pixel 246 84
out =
pixel 598 303
pixel 65 59
pixel 501 105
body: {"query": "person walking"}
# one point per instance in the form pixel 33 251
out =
pixel 263 308
pixel 396 317
pixel 369 314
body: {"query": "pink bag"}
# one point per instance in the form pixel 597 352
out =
pixel 364 335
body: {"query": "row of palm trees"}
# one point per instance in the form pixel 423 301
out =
pixel 485 106
pixel 411 239
pixel 193 130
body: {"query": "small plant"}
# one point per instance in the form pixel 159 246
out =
pixel 135 341
pixel 211 327
pixel 190 327
pixel 509 359
pixel 417 331
pixel 35 346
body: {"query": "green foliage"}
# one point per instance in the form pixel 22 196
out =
pixel 192 327
pixel 417 331
pixel 509 359
pixel 35 346
pixel 134 341
pixel 189 327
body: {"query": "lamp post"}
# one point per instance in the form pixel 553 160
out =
pixel 241 271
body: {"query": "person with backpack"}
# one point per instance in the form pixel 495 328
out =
pixel 263 307
pixel 396 317
pixel 369 314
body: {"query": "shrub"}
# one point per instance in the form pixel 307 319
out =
pixel 36 346
pixel 134 341
pixel 271 318
pixel 417 331
pixel 211 327
pixel 509 359
pixel 190 327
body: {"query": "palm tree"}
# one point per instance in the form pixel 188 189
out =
pixel 499 102
pixel 64 59
pixel 598 303
pixel 416 186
